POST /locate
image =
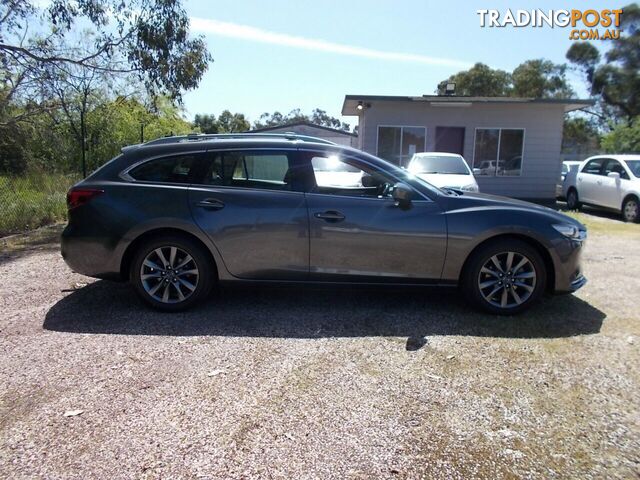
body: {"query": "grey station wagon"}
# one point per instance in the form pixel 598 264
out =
pixel 178 215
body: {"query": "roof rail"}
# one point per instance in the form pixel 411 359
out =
pixel 199 137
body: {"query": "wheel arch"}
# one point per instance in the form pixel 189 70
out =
pixel 539 247
pixel 129 253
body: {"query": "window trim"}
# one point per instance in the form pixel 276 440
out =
pixel 125 175
pixel 401 127
pixel 473 159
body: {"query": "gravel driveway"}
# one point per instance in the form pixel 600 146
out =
pixel 318 383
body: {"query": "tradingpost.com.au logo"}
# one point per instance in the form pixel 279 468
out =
pixel 585 24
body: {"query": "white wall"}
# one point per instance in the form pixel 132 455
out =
pixel 542 140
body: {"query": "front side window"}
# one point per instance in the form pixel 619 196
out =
pixel 174 169
pixel 594 166
pixel 615 166
pixel 335 175
pixel 498 151
pixel 399 144
pixel 251 169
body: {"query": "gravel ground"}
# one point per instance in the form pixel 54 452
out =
pixel 318 383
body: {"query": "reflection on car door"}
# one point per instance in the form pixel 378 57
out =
pixel 358 233
pixel 252 206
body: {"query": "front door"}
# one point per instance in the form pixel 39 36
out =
pixel 358 233
pixel 252 206
pixel 589 180
pixel 450 140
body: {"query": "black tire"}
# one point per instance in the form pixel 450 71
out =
pixel 631 210
pixel 473 277
pixel 201 262
pixel 573 201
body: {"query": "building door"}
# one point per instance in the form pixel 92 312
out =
pixel 450 139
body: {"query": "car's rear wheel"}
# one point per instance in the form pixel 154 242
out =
pixel 631 210
pixel 504 277
pixel 171 273
pixel 573 202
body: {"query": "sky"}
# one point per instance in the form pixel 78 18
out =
pixel 279 55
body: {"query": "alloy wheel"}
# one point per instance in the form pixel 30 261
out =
pixel 507 279
pixel 169 274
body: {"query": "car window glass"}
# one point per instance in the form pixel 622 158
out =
pixel 634 166
pixel 174 169
pixel 593 166
pixel 251 169
pixel 441 164
pixel 615 166
pixel 345 176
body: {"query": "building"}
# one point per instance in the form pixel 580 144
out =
pixel 334 135
pixel 513 144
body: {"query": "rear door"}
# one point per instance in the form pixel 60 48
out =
pixel 251 205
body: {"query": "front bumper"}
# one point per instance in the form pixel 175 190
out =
pixel 567 259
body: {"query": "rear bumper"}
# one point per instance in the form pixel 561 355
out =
pixel 90 256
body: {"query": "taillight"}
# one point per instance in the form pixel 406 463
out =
pixel 80 196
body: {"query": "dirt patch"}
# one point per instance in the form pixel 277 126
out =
pixel 319 383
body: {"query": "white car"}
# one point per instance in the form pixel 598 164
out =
pixel 443 170
pixel 567 167
pixel 609 181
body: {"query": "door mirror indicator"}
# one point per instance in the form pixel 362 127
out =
pixel 402 194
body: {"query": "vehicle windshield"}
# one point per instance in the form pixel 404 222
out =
pixel 444 165
pixel 634 166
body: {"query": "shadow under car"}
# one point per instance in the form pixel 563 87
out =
pixel 317 312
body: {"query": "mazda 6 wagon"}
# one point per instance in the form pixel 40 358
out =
pixel 178 215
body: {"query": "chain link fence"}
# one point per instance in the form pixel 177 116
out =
pixel 32 200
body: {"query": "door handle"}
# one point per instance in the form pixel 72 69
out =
pixel 599 182
pixel 330 216
pixel 211 204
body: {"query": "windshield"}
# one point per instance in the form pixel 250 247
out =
pixel 441 164
pixel 634 166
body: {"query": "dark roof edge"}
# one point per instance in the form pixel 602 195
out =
pixel 306 124
pixel 469 98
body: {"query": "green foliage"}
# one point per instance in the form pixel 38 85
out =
pixel 534 78
pixel 624 138
pixel 616 80
pixel 317 117
pixel 226 122
pixel 480 81
pixel 540 79
pixel 33 200
pixel 580 135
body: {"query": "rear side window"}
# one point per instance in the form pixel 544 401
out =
pixel 252 169
pixel 174 169
pixel 594 166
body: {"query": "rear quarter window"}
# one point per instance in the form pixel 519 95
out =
pixel 173 169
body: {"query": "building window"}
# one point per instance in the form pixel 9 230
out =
pixel 498 151
pixel 398 144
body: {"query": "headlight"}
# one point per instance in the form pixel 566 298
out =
pixel 571 231
pixel 470 188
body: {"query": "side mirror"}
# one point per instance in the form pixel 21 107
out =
pixel 615 175
pixel 477 171
pixel 402 194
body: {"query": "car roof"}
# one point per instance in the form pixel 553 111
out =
pixel 440 154
pixel 625 156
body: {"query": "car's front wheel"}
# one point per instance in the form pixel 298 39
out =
pixel 171 273
pixel 504 277
pixel 631 210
